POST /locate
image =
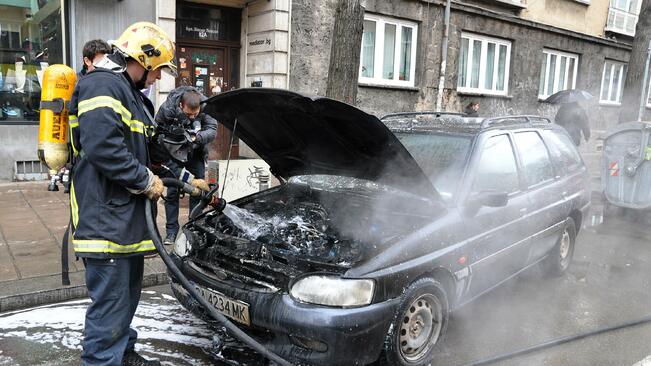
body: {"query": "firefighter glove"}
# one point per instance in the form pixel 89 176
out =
pixel 154 189
pixel 201 184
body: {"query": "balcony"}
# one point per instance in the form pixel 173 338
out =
pixel 621 21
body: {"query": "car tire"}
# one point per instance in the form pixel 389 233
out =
pixel 560 257
pixel 419 324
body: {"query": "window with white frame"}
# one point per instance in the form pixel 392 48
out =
pixel 388 51
pixel 558 72
pixel 484 65
pixel 623 16
pixel 612 82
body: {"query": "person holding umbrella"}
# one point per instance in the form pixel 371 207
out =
pixel 571 115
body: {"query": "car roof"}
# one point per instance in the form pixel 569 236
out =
pixel 459 123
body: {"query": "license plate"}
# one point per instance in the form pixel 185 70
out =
pixel 234 309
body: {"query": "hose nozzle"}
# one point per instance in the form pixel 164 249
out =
pixel 219 204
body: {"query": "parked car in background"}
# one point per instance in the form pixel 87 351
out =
pixel 380 228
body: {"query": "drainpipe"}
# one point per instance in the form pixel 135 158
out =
pixel 444 56
pixel 644 95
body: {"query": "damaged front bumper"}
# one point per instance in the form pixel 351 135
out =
pixel 301 333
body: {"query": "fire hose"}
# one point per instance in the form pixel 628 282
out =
pixel 560 340
pixel 187 285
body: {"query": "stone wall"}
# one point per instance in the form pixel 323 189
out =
pixel 19 143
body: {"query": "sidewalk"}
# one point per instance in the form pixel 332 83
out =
pixel 32 223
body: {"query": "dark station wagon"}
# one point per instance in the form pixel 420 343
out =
pixel 379 228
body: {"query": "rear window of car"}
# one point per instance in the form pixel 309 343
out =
pixel 535 158
pixel 563 151
pixel 442 157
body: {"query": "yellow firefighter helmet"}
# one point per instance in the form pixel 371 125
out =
pixel 148 44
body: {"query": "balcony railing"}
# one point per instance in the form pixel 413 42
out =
pixel 621 21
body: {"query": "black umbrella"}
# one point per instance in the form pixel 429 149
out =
pixel 568 96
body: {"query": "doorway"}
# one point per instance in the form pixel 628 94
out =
pixel 208 58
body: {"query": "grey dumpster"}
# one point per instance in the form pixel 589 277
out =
pixel 626 166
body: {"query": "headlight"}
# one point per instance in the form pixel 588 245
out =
pixel 333 291
pixel 181 245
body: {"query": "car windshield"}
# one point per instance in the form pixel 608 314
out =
pixel 441 156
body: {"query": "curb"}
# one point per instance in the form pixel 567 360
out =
pixel 45 297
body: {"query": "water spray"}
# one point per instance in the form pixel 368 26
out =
pixel 206 199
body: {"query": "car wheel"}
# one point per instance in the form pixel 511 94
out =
pixel 420 322
pixel 561 255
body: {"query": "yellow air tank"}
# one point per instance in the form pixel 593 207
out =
pixel 56 92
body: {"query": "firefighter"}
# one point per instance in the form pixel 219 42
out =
pixel 111 181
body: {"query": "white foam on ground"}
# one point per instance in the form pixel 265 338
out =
pixel 645 362
pixel 62 325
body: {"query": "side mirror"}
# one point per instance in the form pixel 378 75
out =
pixel 486 198
pixel 493 199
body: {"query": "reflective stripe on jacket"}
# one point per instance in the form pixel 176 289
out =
pixel 109 136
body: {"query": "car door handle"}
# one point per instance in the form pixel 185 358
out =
pixel 523 210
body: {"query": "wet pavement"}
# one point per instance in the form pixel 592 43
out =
pixel 51 335
pixel 609 282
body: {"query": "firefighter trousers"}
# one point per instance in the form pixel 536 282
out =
pixel 114 287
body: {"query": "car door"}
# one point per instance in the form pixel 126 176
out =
pixel 498 248
pixel 546 190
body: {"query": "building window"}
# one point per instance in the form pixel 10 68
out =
pixel 612 82
pixel 484 65
pixel 31 38
pixel 388 52
pixel 623 15
pixel 558 72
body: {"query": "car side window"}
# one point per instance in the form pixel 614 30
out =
pixel 563 151
pixel 497 169
pixel 535 158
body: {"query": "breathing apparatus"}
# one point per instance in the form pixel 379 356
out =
pixel 58 84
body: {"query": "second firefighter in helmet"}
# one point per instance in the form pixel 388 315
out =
pixel 111 182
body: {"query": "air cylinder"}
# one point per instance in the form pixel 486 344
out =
pixel 56 92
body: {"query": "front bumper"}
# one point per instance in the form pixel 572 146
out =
pixel 352 336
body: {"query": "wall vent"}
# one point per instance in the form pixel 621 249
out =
pixel 30 170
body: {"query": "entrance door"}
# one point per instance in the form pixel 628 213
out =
pixel 207 69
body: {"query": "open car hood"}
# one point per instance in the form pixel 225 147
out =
pixel 299 135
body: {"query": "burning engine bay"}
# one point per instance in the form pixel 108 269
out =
pixel 296 228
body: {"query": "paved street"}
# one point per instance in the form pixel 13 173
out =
pixel 32 223
pixel 608 283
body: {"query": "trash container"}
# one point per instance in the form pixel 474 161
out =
pixel 626 166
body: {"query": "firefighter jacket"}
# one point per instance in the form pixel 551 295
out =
pixel 110 125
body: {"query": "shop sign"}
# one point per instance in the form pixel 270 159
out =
pixel 199 31
pixel 260 43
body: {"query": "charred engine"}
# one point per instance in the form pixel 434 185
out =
pixel 294 229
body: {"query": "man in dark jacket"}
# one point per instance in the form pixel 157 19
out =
pixel 183 108
pixel 472 109
pixel 111 180
pixel 574 119
pixel 93 51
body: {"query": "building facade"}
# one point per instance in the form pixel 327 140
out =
pixel 509 55
pixel 505 54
